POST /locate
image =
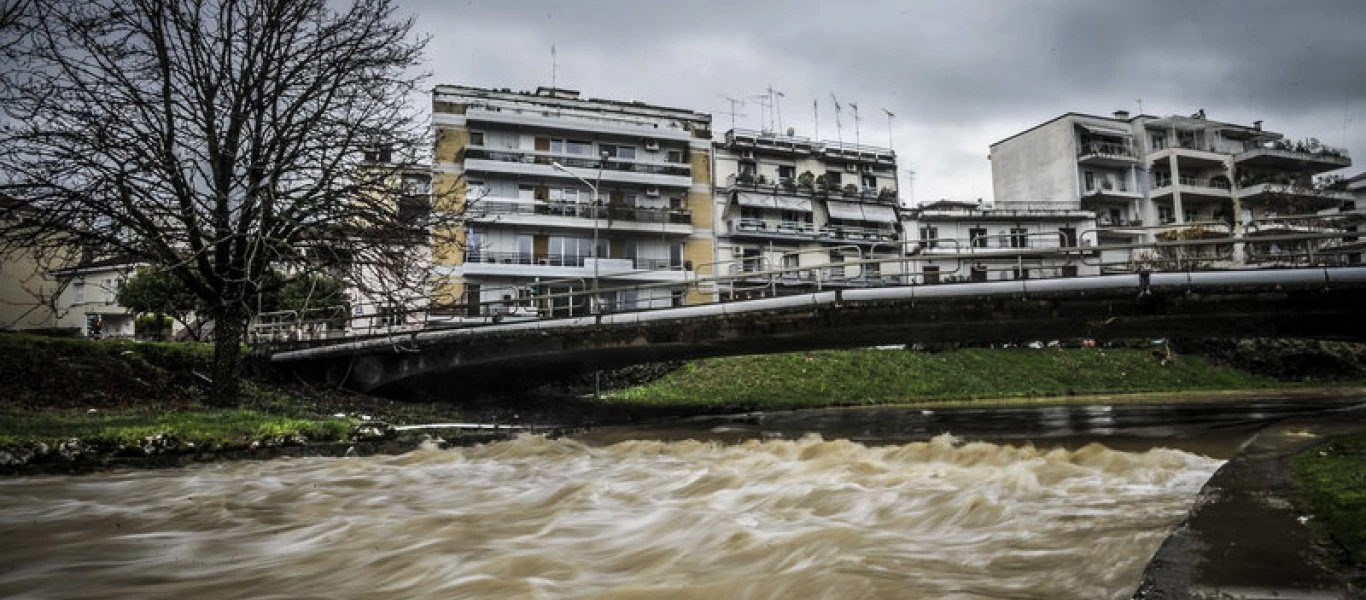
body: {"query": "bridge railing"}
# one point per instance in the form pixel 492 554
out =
pixel 883 264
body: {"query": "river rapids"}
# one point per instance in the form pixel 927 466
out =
pixel 556 518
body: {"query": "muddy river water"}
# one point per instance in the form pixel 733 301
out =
pixel 728 509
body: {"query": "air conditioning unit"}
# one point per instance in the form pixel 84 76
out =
pixel 747 154
pixel 652 191
pixel 652 145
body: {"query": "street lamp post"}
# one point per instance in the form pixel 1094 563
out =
pixel 593 300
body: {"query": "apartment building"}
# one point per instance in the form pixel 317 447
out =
pixel 795 214
pixel 1170 178
pixel 603 204
pixel 967 241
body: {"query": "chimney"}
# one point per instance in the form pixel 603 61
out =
pixel 1257 125
pixel 1122 115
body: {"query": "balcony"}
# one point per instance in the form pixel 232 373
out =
pixel 852 233
pixel 525 264
pixel 538 163
pixel 1311 157
pixel 1106 154
pixel 1109 195
pixel 1193 188
pixel 563 119
pixel 1291 198
pixel 772 229
pixel 573 215
pixel 787 187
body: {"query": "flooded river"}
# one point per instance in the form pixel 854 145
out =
pixel 560 518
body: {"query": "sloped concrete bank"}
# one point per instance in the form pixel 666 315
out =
pixel 1245 538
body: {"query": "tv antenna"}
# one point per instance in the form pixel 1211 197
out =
pixel 890 115
pixel 857 141
pixel 554 67
pixel 773 98
pixel 765 103
pixel 733 103
pixel 839 132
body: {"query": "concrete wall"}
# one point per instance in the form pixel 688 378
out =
pixel 1037 168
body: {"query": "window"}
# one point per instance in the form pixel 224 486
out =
pixel 832 179
pixel 622 152
pixel 978 237
pixel 1021 273
pixel 787 172
pixel 474 244
pixel 1159 141
pixel 1116 216
pixel 791 261
pixel 559 146
pixel 1067 237
pixel 1165 214
pixel 1019 237
pixel 676 298
pixel 524 249
pixel 748 168
pixel 1089 178
pixel 674 156
pixel 929 236
pixel 1189 214
pixel 476 138
pixel 1069 270
pixel 870 182
pixel 749 260
pixel 676 256
pixel 78 292
pixel 979 273
pixel 931 274
pixel 569 251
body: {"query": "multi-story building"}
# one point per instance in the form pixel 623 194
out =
pixel 793 214
pixel 599 204
pixel 1163 179
pixel 965 241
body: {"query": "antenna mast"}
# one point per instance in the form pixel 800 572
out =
pixel 839 132
pixel 554 68
pixel 890 114
pixel 733 102
pixel 816 118
pixel 857 141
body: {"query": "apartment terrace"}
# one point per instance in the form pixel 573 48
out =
pixel 1310 156
pixel 539 163
pixel 768 141
pixel 783 188
pixel 577 215
pixel 1106 154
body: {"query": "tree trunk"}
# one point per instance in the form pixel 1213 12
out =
pixel 229 326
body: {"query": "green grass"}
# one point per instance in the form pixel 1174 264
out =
pixel 220 427
pixel 1332 485
pixel 812 379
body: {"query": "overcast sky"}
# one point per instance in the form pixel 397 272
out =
pixel 958 74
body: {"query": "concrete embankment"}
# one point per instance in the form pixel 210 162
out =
pixel 1244 538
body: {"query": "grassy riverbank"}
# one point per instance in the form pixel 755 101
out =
pixel 860 377
pixel 1332 483
pixel 71 399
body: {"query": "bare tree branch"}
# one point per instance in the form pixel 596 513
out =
pixel 220 140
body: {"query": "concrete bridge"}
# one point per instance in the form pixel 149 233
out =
pixel 1322 303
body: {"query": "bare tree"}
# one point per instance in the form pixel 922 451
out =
pixel 222 140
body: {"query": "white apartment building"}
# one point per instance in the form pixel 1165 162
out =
pixel 604 204
pixel 965 241
pixel 1171 178
pixel 795 214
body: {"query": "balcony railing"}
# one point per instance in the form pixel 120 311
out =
pixel 795 228
pixel 607 212
pixel 853 233
pixel 1215 184
pixel 561 260
pixel 789 187
pixel 576 160
pixel 1107 149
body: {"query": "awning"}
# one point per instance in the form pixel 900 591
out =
pixel 794 204
pixel 757 201
pixel 1103 130
pixel 848 211
pixel 880 214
